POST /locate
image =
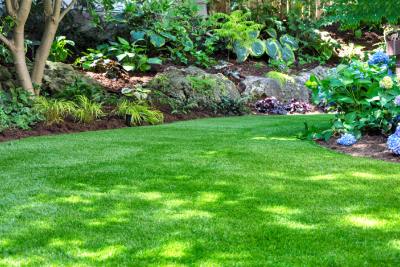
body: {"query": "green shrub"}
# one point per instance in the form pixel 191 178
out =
pixel 16 110
pixel 363 95
pixel 82 88
pixel 60 49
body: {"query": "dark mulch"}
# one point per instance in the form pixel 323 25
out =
pixel 65 127
pixel 372 146
pixel 103 124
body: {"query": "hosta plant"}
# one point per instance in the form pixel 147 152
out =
pixel 281 49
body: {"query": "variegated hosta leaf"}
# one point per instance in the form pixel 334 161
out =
pixel 272 32
pixel 257 48
pixel 157 40
pixel 273 48
pixel 137 35
pixel 253 34
pixel 242 52
pixel 289 40
pixel 287 54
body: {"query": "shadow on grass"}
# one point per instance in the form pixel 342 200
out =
pixel 226 198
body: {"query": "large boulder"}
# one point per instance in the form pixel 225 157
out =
pixel 183 90
pixel 58 75
pixel 294 88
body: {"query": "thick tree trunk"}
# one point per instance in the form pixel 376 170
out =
pixel 18 48
pixel 44 50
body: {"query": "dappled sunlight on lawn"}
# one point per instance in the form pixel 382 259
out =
pixel 226 199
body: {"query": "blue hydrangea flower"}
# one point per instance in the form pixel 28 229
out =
pixel 378 58
pixel 397 101
pixel 393 142
pixel 347 140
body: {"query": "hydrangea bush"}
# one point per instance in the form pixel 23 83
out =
pixel 393 142
pixel 347 140
pixel 364 95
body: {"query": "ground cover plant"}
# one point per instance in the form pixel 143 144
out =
pixel 226 191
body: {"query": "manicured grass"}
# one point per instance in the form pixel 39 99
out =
pixel 217 192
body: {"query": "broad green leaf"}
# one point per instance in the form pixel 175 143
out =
pixel 273 48
pixel 253 34
pixel 288 54
pixel 290 41
pixel 128 67
pixel 137 35
pixel 157 40
pixel 123 41
pixel 242 53
pixel 154 60
pixel 257 48
pixel 272 32
pixel 121 56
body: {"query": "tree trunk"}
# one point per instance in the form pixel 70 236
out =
pixel 18 52
pixel 43 52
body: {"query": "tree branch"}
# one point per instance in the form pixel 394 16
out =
pixel 48 8
pixel 10 8
pixel 7 42
pixel 67 9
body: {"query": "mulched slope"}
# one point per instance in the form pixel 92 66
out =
pixel 373 146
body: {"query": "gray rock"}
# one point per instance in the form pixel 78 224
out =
pixel 191 88
pixel 257 87
pixel 59 75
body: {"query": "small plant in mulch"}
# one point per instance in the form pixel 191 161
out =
pixel 271 105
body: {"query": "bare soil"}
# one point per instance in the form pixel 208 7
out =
pixel 371 146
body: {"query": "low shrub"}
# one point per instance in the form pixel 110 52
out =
pixel 16 110
pixel 363 94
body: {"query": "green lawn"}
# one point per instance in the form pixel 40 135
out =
pixel 240 191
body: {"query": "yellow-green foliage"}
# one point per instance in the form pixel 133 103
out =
pixel 280 77
pixel 54 110
pixel 202 84
pixel 87 111
pixel 140 113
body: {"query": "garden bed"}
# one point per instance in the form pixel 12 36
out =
pixel 372 146
pixel 103 124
